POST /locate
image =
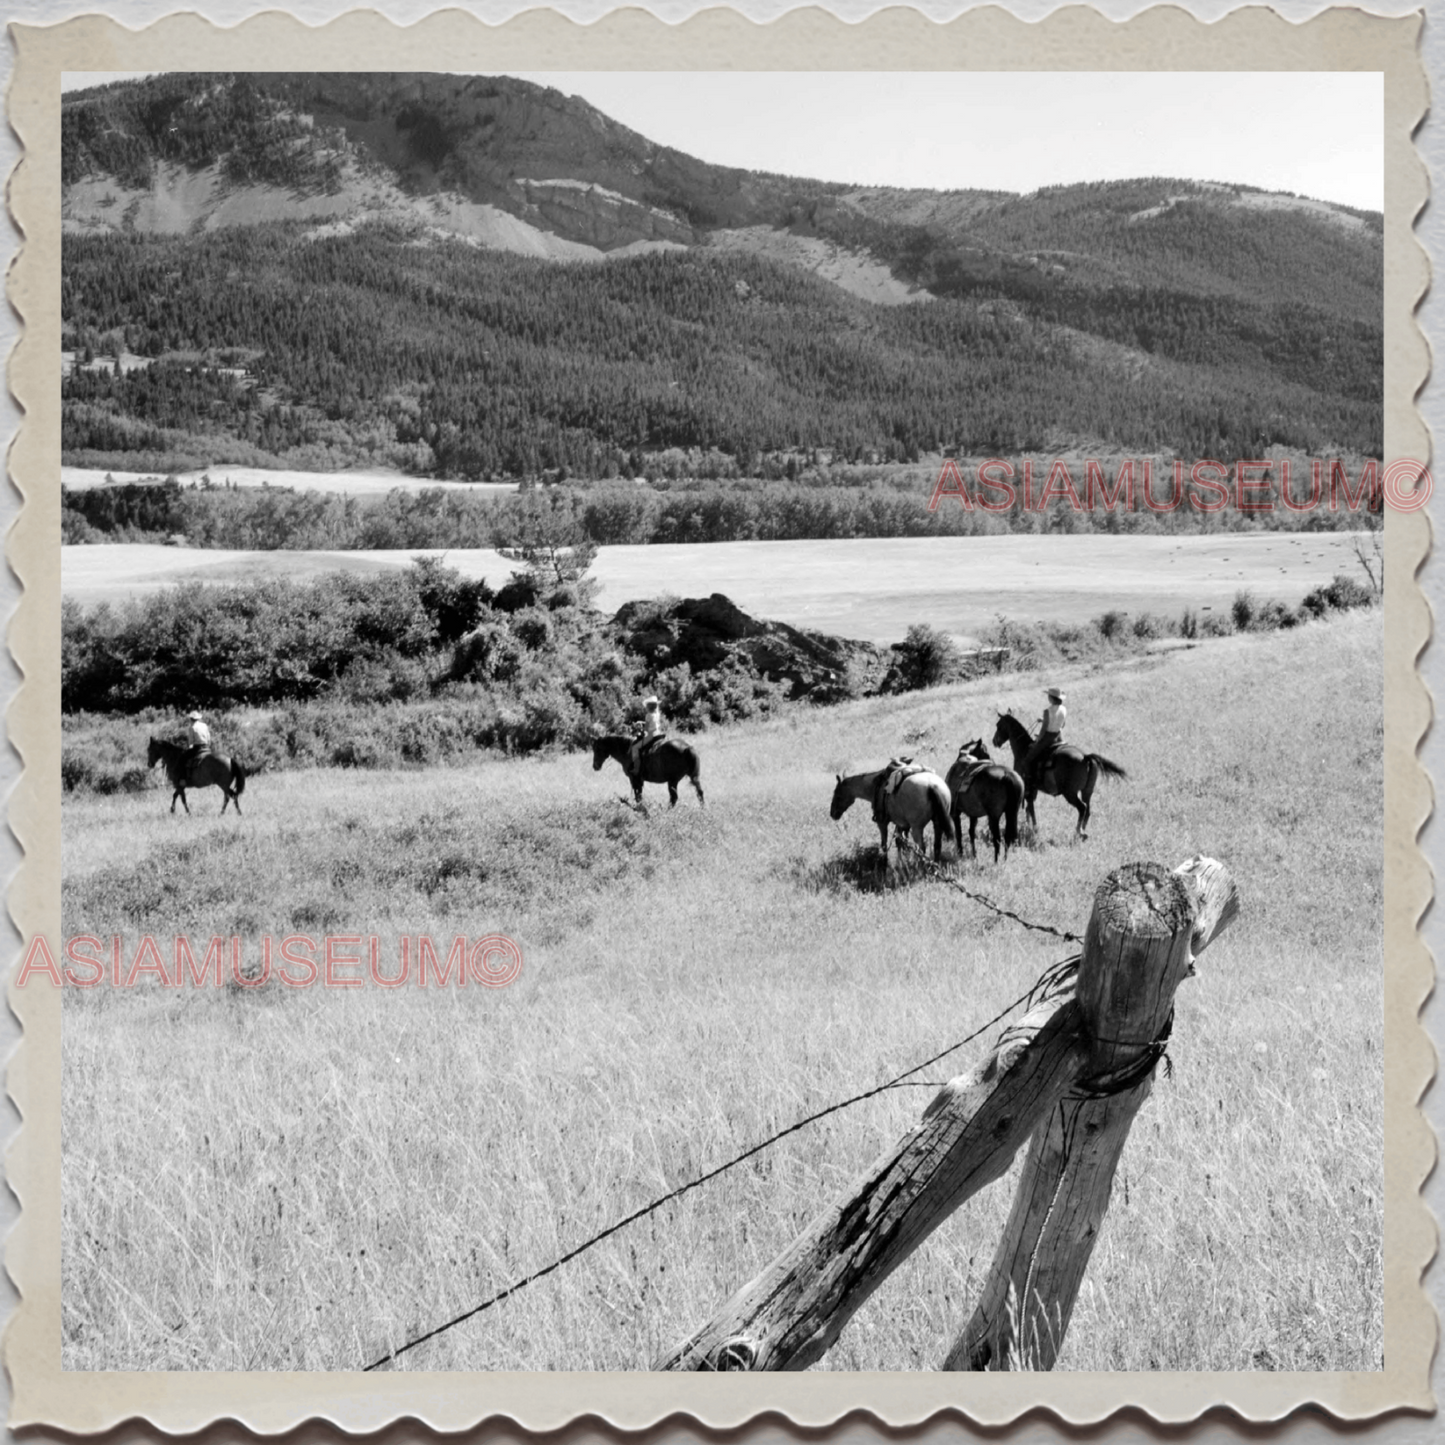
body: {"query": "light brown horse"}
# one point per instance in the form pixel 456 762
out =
pixel 1069 773
pixel 983 788
pixel 202 772
pixel 921 798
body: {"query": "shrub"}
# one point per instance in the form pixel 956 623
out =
pixel 1111 624
pixel 489 654
pixel 1189 623
pixel 1243 609
pixel 1274 614
pixel 1340 595
pixel 925 658
pixel 1147 627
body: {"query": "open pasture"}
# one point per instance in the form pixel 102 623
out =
pixel 870 588
pixel 306 1178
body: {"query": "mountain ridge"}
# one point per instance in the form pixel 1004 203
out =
pixel 208 215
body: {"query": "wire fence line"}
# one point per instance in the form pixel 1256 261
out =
pixel 940 872
pixel 1054 979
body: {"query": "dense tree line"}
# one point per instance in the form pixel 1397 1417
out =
pixel 372 348
pixel 871 502
pixel 123 129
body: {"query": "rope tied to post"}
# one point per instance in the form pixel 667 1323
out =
pixel 1119 1081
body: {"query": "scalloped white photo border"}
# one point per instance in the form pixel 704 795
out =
pixel 1075 38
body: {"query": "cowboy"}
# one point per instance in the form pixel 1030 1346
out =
pixel 198 735
pixel 653 728
pixel 1051 729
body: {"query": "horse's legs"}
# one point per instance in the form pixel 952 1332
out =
pixel 697 788
pixel 1083 810
pixel 1029 806
pixel 672 795
pixel 1090 778
pixel 993 833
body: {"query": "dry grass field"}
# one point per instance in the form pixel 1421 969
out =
pixel 872 588
pixel 304 1178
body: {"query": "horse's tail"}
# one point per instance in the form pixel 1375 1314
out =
pixel 1015 798
pixel 239 773
pixel 940 807
pixel 1105 767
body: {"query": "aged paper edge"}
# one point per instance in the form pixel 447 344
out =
pixel 1075 39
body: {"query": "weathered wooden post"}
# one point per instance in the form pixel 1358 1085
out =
pixel 1147 928
pixel 1100 1038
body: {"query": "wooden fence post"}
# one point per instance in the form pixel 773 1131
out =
pixel 1137 949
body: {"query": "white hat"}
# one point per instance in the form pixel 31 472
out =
pixel 1054 693
pixel 195 715
pixel 650 702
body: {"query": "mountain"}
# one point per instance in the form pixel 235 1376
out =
pixel 238 227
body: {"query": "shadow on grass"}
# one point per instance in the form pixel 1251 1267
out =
pixel 862 870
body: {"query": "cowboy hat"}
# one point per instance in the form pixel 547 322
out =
pixel 195 715
pixel 650 702
pixel 1054 693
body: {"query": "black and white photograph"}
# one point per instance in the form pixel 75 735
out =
pixel 723 720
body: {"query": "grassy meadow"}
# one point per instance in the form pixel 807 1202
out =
pixel 304 1178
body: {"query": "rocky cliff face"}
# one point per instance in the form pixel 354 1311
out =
pixel 707 632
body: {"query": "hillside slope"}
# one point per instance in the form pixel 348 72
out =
pixel 346 238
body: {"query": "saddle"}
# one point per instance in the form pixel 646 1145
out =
pixel 896 771
pixel 970 766
pixel 890 780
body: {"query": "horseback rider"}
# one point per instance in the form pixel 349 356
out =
pixel 198 735
pixel 1051 730
pixel 651 731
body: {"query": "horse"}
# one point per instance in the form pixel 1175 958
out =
pixel 669 761
pixel 1070 773
pixel 921 798
pixel 981 787
pixel 184 772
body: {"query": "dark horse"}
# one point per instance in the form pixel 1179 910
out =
pixel 185 772
pixel 1070 773
pixel 983 788
pixel 667 762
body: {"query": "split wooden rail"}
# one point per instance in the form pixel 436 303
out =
pixel 1070 1076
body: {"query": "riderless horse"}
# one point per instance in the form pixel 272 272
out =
pixel 918 798
pixel 983 788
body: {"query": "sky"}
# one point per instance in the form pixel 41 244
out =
pixel 1317 134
